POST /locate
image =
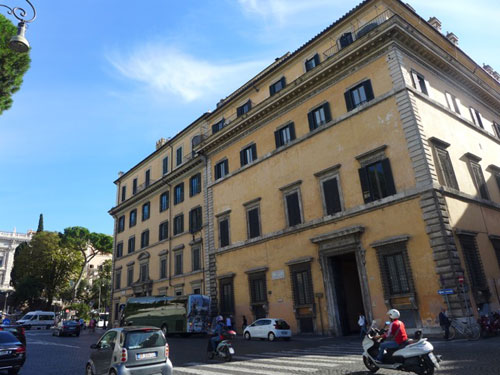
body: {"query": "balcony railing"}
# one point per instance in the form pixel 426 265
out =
pixel 350 37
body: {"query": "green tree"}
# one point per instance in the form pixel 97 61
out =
pixel 101 287
pixel 89 245
pixel 43 267
pixel 40 224
pixel 13 65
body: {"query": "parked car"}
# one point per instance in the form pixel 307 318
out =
pixel 268 328
pixel 37 319
pixel 66 328
pixel 16 330
pixel 12 353
pixel 131 350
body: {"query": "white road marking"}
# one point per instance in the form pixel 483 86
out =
pixel 288 361
pixel 255 363
pixel 30 342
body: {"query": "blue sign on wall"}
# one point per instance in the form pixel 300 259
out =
pixel 446 291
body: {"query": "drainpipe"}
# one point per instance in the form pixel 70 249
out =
pixel 113 263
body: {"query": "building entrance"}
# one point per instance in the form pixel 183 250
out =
pixel 347 291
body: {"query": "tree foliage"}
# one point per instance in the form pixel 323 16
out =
pixel 40 224
pixel 100 291
pixel 43 268
pixel 13 65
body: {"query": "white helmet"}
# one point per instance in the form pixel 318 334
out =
pixel 219 319
pixel 393 314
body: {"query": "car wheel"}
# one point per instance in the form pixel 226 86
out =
pixel 271 336
pixel 89 370
pixel 247 335
pixel 112 372
pixel 164 329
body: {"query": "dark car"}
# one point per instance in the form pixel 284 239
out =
pixel 66 328
pixel 16 330
pixel 130 351
pixel 12 353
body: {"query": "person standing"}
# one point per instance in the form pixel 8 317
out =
pixel 362 325
pixel 445 323
pixel 229 323
pixel 245 323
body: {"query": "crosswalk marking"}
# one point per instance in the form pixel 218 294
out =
pixel 288 361
pixel 267 365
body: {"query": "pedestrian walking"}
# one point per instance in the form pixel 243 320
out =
pixel 362 325
pixel 445 323
pixel 245 323
pixel 229 323
pixel 92 324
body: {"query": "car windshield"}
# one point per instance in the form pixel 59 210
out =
pixel 6 337
pixel 144 339
pixel 281 324
pixel 27 317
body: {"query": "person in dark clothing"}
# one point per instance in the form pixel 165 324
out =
pixel 445 323
pixel 245 323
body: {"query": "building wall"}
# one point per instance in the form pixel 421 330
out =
pixel 8 243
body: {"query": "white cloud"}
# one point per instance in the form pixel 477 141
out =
pixel 166 70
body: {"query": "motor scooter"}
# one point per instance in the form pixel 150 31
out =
pixel 416 355
pixel 224 349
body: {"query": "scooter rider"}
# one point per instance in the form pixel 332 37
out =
pixel 218 330
pixel 396 331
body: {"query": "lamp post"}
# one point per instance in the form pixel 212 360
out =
pixel 19 43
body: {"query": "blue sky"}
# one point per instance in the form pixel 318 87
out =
pixel 109 78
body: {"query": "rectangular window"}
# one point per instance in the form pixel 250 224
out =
pixel 496 129
pixel 331 195
pixel 146 211
pixel 145 238
pixel 124 193
pixel 312 62
pixel 195 220
pixel 178 156
pixel 224 232
pixel 248 155
pixel 131 244
pixel 134 186
pixel 130 275
pixel 478 178
pixel 119 250
pixel 396 272
pixel 377 181
pixel 476 117
pixel 196 258
pixel 253 222
pixel 293 209
pixel 419 82
pixel 258 288
pixel 218 126
pixel 319 116
pixel 277 86
pixel 195 185
pixel 221 169
pixel 496 246
pixel 163 268
pixel 163 231
pixel 302 286
pixel 1 262
pixel 226 296
pixel 165 165
pixel 446 174
pixel 132 220
pixel 241 110
pixel 178 263
pixel 178 224
pixel 474 266
pixel 452 102
pixel 147 178
pixel 345 39
pixel 121 224
pixel 358 95
pixel 164 201
pixel 284 135
pixel 118 280
pixel 144 272
pixel 179 193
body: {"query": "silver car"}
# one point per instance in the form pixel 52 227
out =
pixel 130 351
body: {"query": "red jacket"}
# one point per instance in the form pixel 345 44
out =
pixel 398 331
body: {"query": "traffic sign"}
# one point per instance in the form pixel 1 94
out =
pixel 446 291
pixel 460 279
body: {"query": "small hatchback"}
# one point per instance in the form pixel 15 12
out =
pixel 268 328
pixel 130 351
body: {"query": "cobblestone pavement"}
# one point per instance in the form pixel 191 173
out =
pixel 48 355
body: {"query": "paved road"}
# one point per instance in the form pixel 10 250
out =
pixel 48 355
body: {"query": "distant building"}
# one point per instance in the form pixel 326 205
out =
pixel 92 268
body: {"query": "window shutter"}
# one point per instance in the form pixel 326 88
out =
pixel 253 218
pixel 254 152
pixel 239 111
pixel 348 101
pixel 332 196
pixel 368 90
pixel 225 164
pixel 326 109
pixel 414 80
pixel 217 171
pixel 283 82
pixel 472 115
pixel 365 185
pixel 224 233
pixel 277 139
pixel 182 192
pixel 292 131
pixel 215 128
pixel 310 117
pixel 457 101
pixel 389 180
pixel 242 158
pixel 292 203
pixel 316 59
pixel 272 90
pixel 191 221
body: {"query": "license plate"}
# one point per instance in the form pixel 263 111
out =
pixel 146 355
pixel 434 360
pixel 231 350
pixel 5 352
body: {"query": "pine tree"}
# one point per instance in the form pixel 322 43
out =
pixel 40 224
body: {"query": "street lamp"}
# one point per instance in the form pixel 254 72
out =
pixel 19 43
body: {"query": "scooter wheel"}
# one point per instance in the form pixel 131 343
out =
pixel 227 355
pixel 370 365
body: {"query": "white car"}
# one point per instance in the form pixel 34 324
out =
pixel 268 328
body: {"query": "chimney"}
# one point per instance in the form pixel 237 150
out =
pixel 120 174
pixel 220 102
pixel 452 38
pixel 160 143
pixel 435 23
pixel 488 68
